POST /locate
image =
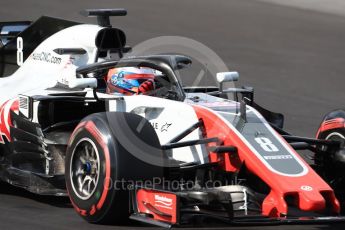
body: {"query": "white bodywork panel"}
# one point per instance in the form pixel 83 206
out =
pixel 169 119
pixel 44 68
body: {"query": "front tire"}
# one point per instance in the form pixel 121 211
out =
pixel 99 167
pixel 330 161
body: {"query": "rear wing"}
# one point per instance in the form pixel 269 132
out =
pixel 10 30
pixel 32 34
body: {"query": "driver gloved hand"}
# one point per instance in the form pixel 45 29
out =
pixel 146 86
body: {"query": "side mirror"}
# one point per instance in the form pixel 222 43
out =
pixel 83 83
pixel 223 77
pixel 227 77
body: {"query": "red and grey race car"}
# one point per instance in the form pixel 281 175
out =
pixel 168 156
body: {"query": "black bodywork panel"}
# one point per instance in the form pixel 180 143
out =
pixel 65 112
pixel 34 159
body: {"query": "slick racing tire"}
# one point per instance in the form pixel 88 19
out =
pixel 335 159
pixel 101 170
pixel 331 162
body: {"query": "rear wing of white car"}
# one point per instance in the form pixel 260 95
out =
pixel 10 30
pixel 19 39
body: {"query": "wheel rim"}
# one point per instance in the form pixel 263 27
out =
pixel 84 168
pixel 334 180
pixel 335 136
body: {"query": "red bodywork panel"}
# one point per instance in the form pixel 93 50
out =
pixel 311 193
pixel 162 206
pixel 5 118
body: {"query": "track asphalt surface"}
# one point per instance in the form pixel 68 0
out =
pixel 295 59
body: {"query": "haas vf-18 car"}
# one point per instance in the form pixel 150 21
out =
pixel 171 156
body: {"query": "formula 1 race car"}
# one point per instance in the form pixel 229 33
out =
pixel 167 156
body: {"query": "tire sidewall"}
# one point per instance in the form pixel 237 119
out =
pixel 116 157
pixel 96 207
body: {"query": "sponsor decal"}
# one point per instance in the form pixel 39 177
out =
pixel 165 127
pixel 163 201
pixel 220 104
pixel 154 125
pixel 5 119
pixel 278 157
pixel 64 81
pixel 46 57
pixel 162 206
pixel 306 188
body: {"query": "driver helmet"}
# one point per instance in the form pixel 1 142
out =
pixel 127 80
